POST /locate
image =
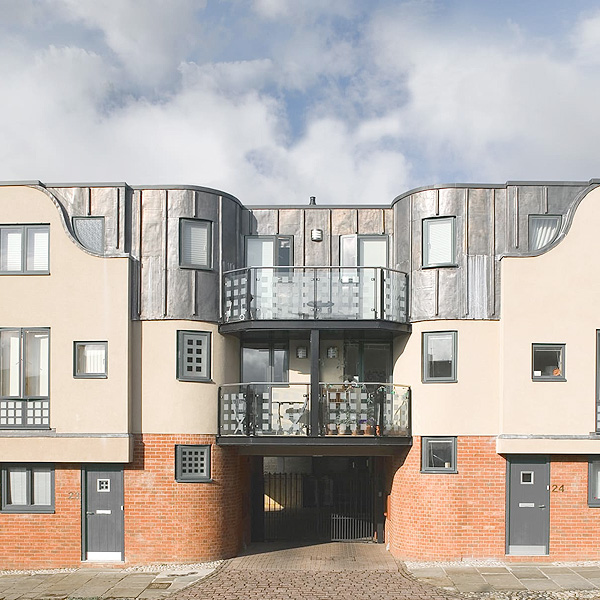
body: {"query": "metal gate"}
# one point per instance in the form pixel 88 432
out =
pixel 337 507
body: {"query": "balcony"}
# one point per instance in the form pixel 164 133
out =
pixel 282 414
pixel 310 295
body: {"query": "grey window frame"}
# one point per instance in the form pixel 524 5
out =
pixel 27 508
pixel 209 242
pixel 597 380
pixel 184 478
pixel 563 355
pixel 425 377
pixel 592 502
pixel 74 220
pixel 207 336
pixel 425 262
pixel 24 238
pixel 276 239
pixel 424 443
pixel 78 375
pixel 542 217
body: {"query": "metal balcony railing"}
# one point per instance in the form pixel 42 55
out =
pixel 284 409
pixel 334 293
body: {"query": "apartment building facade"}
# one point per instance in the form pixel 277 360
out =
pixel 181 374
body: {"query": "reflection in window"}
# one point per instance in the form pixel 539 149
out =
pixel 439 356
pixel 543 230
pixel 438 454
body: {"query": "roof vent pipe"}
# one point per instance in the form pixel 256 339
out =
pixel 313 201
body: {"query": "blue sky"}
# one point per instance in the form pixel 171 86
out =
pixel 277 100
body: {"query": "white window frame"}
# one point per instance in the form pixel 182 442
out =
pixel 25 232
pixel 426 235
pixel 427 377
pixel 182 355
pixel 89 375
pixel 185 262
pixel 29 506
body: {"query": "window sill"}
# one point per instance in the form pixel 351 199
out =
pixel 94 376
pixel 441 266
pixel 196 268
pixel 439 471
pixel 427 381
pixel 209 480
pixel 192 380
pixel 548 379
pixel 27 510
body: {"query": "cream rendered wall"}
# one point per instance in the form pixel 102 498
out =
pixel 85 298
pixel 172 406
pixel 553 298
pixel 471 405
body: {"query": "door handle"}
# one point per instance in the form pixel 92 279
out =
pixel 87 512
pixel 542 506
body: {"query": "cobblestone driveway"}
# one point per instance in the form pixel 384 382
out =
pixel 332 571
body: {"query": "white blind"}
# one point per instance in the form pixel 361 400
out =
pixel 36 363
pixel 194 243
pixel 37 248
pixel 348 250
pixel 10 363
pixel 542 230
pixel 440 347
pixel 372 252
pixel 42 487
pixel 439 237
pixel 91 359
pixel 10 249
pixel 17 486
pixel 260 252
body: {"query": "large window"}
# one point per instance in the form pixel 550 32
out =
pixel 439 242
pixel 439 356
pixel 548 362
pixel 543 230
pixel 24 249
pixel 89 360
pixel 438 455
pixel 193 355
pixel 264 362
pixel 269 251
pixel 363 250
pixel 24 377
pixel 195 244
pixel 192 463
pixel 27 488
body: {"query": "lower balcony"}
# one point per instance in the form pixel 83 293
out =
pixel 284 414
pixel 30 413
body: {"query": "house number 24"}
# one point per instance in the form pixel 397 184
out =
pixel 558 488
pixel 73 495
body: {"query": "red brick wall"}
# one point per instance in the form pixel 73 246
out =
pixel 167 521
pixel 46 540
pixel 453 516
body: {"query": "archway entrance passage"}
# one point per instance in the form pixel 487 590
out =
pixel 324 498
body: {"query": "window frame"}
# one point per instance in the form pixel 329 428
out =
pixel 445 438
pixel 425 376
pixel 27 508
pixel 276 239
pixel 425 235
pixel 209 243
pixel 563 355
pixel 531 218
pixel 181 375
pixel 183 478
pixel 24 229
pixel 76 373
pixel 78 218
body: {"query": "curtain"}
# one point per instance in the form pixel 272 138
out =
pixel 10 249
pixel 36 363
pixel 10 363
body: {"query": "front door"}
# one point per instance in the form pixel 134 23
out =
pixel 528 507
pixel 104 513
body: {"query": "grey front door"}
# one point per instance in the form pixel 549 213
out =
pixel 104 513
pixel 528 508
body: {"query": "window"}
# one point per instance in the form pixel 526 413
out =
pixel 264 362
pixel 28 488
pixel 24 377
pixel 24 249
pixel 438 455
pixel 439 356
pixel 594 481
pixel 363 250
pixel 90 232
pixel 195 244
pixel 543 230
pixel 548 362
pixel 90 360
pixel 439 242
pixel 269 251
pixel 193 348
pixel 192 463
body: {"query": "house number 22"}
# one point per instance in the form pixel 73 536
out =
pixel 558 488
pixel 73 495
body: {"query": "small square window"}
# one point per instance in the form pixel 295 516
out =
pixel 90 232
pixel 192 463
pixel 548 362
pixel 195 244
pixel 438 455
pixel 90 360
pixel 439 242
pixel 594 481
pixel 543 230
pixel 439 356
pixel 103 485
pixel 28 488
pixel 527 477
pixel 193 363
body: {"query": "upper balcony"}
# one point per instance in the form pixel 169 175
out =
pixel 313 297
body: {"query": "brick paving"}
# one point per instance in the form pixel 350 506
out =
pixel 332 571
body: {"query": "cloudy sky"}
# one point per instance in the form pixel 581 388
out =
pixel 352 101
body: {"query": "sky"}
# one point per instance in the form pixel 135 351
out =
pixel 274 101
